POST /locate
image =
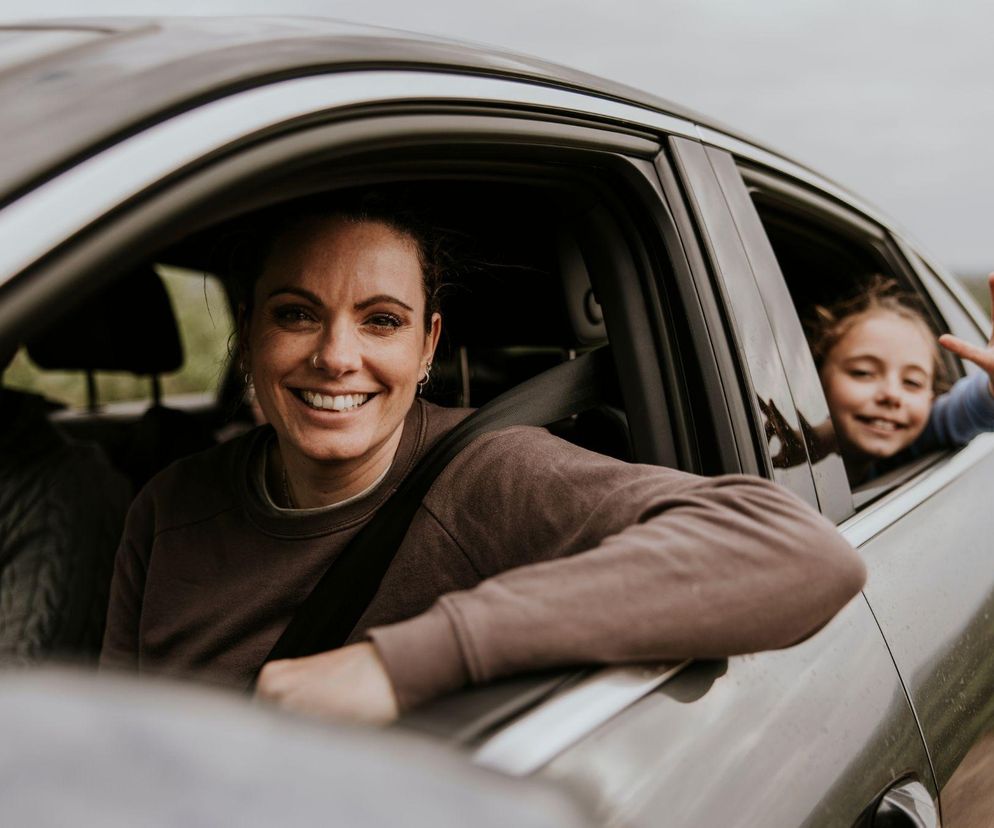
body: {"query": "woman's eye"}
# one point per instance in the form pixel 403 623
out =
pixel 386 321
pixel 291 315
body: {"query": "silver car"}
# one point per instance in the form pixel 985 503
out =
pixel 607 215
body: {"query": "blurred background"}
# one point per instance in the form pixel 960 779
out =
pixel 892 98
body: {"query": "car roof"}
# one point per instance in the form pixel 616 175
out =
pixel 86 83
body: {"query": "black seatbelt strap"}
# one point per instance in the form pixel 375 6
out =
pixel 331 612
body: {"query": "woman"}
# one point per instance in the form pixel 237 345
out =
pixel 880 368
pixel 527 552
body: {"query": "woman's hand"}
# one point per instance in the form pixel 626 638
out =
pixel 348 683
pixel 983 357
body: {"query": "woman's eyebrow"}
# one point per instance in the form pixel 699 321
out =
pixel 297 291
pixel 382 297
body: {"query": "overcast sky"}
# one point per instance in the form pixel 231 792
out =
pixel 894 98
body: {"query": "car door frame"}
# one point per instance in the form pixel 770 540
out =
pixel 904 569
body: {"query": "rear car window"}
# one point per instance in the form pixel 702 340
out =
pixel 205 322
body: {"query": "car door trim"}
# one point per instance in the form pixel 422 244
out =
pixel 63 206
pixel 543 733
pixel 876 518
pixel 765 158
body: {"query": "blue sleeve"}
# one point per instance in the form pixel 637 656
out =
pixel 959 415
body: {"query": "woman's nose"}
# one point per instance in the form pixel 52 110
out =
pixel 337 352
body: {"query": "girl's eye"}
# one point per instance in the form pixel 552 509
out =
pixel 859 373
pixel 914 384
pixel 386 321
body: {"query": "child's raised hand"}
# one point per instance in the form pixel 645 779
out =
pixel 983 357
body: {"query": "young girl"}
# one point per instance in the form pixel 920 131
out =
pixel 881 371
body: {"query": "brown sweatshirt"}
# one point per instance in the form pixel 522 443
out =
pixel 527 552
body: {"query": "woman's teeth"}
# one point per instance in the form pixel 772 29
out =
pixel 338 402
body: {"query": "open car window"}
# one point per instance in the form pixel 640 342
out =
pixel 827 253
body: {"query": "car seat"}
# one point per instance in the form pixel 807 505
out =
pixel 130 326
pixel 505 324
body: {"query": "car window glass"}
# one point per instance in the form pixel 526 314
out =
pixel 205 324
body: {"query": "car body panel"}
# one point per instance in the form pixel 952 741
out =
pixel 931 588
pixel 78 197
pixel 782 451
pixel 140 72
pixel 810 408
pixel 787 738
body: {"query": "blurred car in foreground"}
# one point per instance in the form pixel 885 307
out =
pixel 594 214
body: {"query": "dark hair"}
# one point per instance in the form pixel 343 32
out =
pixel 397 211
pixel 827 324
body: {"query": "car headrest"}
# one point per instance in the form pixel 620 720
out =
pixel 548 303
pixel 128 326
pixel 585 317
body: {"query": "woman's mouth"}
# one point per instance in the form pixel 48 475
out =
pixel 332 402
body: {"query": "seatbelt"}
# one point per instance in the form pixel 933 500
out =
pixel 331 612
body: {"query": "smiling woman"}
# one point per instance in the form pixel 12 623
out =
pixel 335 344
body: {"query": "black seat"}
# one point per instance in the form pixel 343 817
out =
pixel 506 324
pixel 130 327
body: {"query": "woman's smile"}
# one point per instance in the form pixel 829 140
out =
pixel 331 401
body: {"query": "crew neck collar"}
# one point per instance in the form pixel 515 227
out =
pixel 311 522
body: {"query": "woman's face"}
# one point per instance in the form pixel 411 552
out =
pixel 337 340
pixel 878 382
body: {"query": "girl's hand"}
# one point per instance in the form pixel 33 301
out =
pixel 983 357
pixel 348 683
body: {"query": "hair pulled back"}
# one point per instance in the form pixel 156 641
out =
pixel 395 210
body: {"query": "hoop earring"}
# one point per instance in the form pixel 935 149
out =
pixel 424 380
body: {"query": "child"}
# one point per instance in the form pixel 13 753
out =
pixel 880 369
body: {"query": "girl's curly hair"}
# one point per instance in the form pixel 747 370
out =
pixel 827 324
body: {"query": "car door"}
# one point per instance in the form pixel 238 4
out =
pixel 930 586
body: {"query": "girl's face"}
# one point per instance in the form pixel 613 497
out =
pixel 878 381
pixel 336 339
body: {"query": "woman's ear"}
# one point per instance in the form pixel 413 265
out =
pixel 431 337
pixel 242 335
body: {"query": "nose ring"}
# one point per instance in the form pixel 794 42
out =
pixel 314 360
